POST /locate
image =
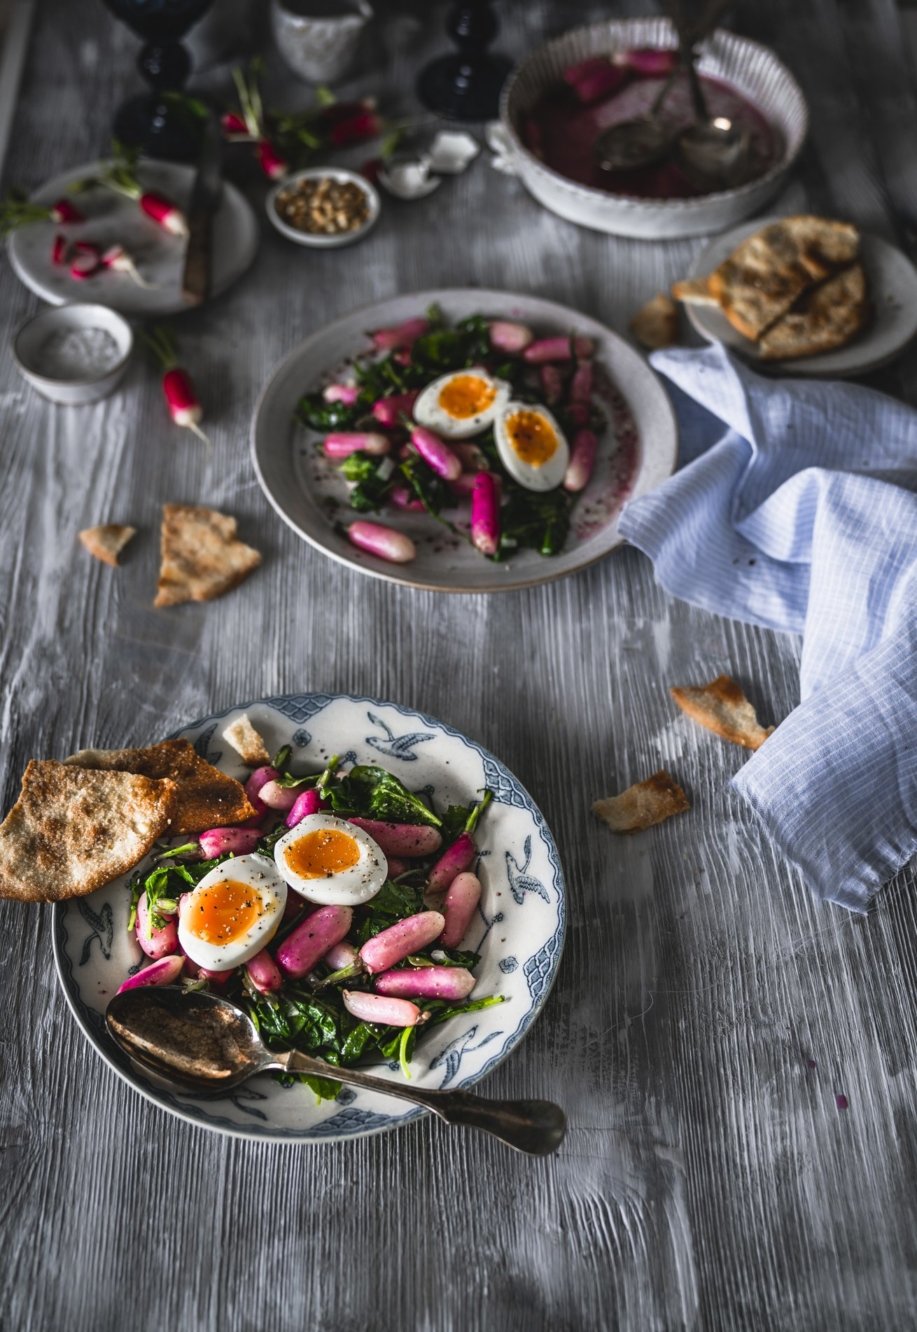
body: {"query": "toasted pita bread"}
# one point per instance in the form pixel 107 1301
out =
pixel 204 796
pixel 768 272
pixel 247 742
pixel 694 291
pixel 722 708
pixel 72 830
pixel 201 556
pixel 107 541
pixel 643 804
pixel 655 324
pixel 827 316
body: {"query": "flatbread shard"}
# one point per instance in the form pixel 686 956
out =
pixel 643 805
pixel 204 796
pixel 655 325
pixel 201 555
pixel 827 316
pixel 246 741
pixel 107 541
pixel 722 708
pixel 73 830
pixel 768 272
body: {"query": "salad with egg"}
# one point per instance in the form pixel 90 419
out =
pixel 483 424
pixel 337 918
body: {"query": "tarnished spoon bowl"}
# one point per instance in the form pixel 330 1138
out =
pixel 715 152
pixel 200 1043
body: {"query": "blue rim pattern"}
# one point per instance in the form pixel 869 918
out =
pixel 540 970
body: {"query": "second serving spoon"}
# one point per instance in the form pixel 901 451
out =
pixel 200 1043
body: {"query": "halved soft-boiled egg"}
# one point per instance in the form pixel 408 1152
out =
pixel 232 913
pixel 330 861
pixel 531 445
pixel 461 404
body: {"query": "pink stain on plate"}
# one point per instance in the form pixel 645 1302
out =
pixel 841 1101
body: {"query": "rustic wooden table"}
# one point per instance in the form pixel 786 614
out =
pixel 738 1064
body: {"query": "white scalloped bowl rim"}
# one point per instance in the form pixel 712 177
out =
pixel 528 891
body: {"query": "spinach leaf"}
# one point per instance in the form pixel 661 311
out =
pixel 539 520
pixel 313 411
pixel 374 793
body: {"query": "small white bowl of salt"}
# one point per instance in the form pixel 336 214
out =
pixel 74 353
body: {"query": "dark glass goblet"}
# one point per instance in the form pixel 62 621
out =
pixel 152 121
pixel 466 85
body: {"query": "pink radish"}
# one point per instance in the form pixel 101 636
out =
pixel 216 977
pixel 401 839
pixel 463 485
pixel 548 349
pixel 578 413
pixel 581 383
pixel 485 513
pixel 649 61
pixel 259 778
pixel 217 841
pixel 397 866
pixel 402 498
pixel 393 945
pixel 162 210
pixel 59 249
pixel 181 399
pixel 302 950
pixel 272 164
pixel 164 972
pixel 437 455
pixel 364 124
pixel 340 956
pixel 263 973
pixel 400 336
pixel 88 261
pixel 234 127
pixel 508 337
pixel 389 411
pixel 462 898
pixel 306 803
pixel 552 385
pixel 382 1010
pixel 426 983
pixel 155 943
pixel 382 541
pixel 342 443
pixel 469 455
pixel 457 857
pixel 278 797
pixel 119 261
pixel 65 213
pixel 345 393
pixel 595 78
pixel 582 461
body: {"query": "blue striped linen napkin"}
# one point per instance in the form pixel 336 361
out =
pixel 795 507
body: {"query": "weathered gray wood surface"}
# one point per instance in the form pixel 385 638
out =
pixel 707 1014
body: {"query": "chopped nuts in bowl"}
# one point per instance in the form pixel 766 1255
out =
pixel 323 206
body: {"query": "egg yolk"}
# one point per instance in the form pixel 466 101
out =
pixel 466 396
pixel 319 854
pixel 531 437
pixel 224 911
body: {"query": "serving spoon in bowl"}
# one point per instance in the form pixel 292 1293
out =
pixel 197 1042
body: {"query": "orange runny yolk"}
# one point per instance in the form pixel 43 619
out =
pixel 319 854
pixel 465 396
pixel 531 437
pixel 224 911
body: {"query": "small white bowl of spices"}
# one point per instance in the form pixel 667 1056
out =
pixel 324 207
pixel 74 354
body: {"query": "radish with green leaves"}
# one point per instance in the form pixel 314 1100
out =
pixel 459 856
pixel 121 176
pixel 237 841
pixel 178 390
pixel 156 941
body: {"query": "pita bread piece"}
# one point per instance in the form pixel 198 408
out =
pixel 107 541
pixel 827 316
pixel 643 804
pixel 201 555
pixel 247 742
pixel 72 830
pixel 722 708
pixel 655 325
pixel 204 796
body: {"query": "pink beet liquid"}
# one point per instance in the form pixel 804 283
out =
pixel 563 134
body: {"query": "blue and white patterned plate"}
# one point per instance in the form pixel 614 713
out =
pixel 519 930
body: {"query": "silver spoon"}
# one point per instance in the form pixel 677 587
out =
pixel 640 142
pixel 200 1043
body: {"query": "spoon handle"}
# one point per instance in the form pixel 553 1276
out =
pixel 535 1127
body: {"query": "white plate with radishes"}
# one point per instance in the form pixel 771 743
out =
pixel 517 930
pixel 125 250
pixel 300 469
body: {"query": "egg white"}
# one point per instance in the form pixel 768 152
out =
pixel 551 473
pixel 429 413
pixel 348 887
pixel 257 873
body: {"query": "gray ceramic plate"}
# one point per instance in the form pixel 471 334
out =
pixel 636 453
pixel 114 219
pixel 893 293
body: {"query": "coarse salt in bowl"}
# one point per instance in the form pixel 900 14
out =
pixel 74 354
